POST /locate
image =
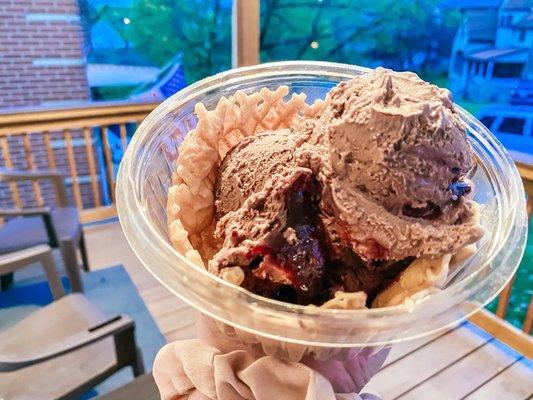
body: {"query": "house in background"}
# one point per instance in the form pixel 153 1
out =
pixel 113 73
pixel 492 51
pixel 116 71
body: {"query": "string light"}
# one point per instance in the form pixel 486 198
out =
pixel 126 20
pixel 314 44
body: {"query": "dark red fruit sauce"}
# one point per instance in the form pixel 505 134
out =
pixel 312 271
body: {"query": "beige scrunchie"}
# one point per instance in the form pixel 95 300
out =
pixel 218 367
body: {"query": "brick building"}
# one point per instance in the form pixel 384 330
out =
pixel 41 53
pixel 42 65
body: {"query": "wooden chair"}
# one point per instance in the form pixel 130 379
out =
pixel 64 349
pixel 57 227
pixel 41 253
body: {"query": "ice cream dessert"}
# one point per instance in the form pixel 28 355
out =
pixel 357 201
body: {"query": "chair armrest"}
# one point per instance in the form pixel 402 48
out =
pixel 44 212
pixel 109 327
pixel 22 212
pixel 13 175
pixel 57 178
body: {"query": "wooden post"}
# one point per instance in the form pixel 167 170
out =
pixel 108 161
pixel 31 166
pixel 73 169
pixel 245 33
pixel 15 194
pixel 92 165
pixel 49 150
pixel 123 136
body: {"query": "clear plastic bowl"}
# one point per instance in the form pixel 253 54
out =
pixel 144 178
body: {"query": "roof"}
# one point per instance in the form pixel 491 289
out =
pixel 481 25
pixel 113 3
pixel 491 54
pixel 118 57
pixel 517 5
pixel 115 75
pixel 471 4
pixel 526 23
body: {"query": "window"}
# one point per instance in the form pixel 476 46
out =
pixel 488 120
pixel 459 62
pixel 506 21
pixel 473 67
pixel 522 36
pixel 507 70
pixel 512 125
pixel 482 68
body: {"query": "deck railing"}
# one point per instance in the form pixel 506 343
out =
pixel 80 138
pixel 73 140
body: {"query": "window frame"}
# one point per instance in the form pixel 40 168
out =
pixel 501 120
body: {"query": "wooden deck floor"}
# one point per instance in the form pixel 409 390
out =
pixel 107 247
pixel 464 363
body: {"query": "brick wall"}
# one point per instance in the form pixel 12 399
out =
pixel 42 64
pixel 41 53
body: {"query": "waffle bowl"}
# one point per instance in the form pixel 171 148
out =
pixel 148 171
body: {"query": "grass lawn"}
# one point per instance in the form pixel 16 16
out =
pixel 472 108
pixel 522 288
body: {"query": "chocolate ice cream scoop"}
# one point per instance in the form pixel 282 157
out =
pixel 399 140
pixel 247 167
pixel 347 201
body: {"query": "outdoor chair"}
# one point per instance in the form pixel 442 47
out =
pixel 42 253
pixel 58 227
pixel 64 349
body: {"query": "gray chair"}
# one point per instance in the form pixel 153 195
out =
pixel 41 253
pixel 64 349
pixel 58 227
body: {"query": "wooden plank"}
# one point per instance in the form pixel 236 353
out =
pixel 503 299
pixel 78 123
pixel 89 110
pixel 401 350
pixel 421 364
pixel 72 124
pixel 92 165
pixel 108 161
pixel 49 150
pixel 142 387
pixel 15 194
pixel 245 37
pixel 123 136
pixel 73 170
pixel 504 332
pixel 185 332
pixel 168 305
pixel 98 213
pixel 515 382
pixel 31 166
pixel 156 294
pixel 460 378
pixel 176 320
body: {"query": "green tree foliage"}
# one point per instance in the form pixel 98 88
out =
pixel 368 32
pixel 198 29
pixel 402 34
